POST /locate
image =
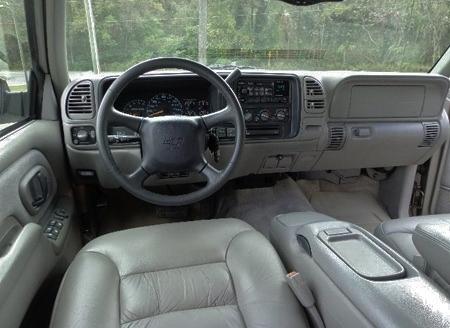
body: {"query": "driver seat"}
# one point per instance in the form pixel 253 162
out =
pixel 215 273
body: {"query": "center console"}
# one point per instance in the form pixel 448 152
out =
pixel 357 280
pixel 270 104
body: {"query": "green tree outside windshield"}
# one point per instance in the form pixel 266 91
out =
pixel 382 35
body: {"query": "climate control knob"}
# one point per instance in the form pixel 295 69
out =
pixel 281 115
pixel 264 115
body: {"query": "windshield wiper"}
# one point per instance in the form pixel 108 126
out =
pixel 231 66
pixel 307 2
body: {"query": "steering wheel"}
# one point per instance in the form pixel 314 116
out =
pixel 170 143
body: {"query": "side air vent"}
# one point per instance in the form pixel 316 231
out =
pixel 80 101
pixel 336 137
pixel 431 132
pixel 314 95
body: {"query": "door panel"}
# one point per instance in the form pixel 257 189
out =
pixel 34 192
pixel 31 176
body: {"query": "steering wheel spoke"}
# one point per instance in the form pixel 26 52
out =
pixel 138 177
pixel 225 115
pixel 132 122
pixel 208 171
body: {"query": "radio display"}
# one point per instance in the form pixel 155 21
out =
pixel 281 88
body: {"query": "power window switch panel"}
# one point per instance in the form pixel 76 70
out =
pixel 52 236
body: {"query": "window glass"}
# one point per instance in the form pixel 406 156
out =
pixel 14 64
pixel 382 35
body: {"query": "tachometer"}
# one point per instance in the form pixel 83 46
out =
pixel 135 107
pixel 164 104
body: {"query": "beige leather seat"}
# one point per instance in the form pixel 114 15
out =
pixel 216 273
pixel 425 241
pixel 398 233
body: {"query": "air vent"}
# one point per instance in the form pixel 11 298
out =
pixel 336 137
pixel 313 87
pixel 80 104
pixel 314 106
pixel 431 132
pixel 314 95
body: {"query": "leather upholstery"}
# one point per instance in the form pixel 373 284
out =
pixel 398 233
pixel 433 243
pixel 216 273
pixel 424 241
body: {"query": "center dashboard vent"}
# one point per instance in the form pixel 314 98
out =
pixel 80 101
pixel 314 96
pixel 336 137
pixel 431 133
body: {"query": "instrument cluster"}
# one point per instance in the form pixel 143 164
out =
pixel 163 104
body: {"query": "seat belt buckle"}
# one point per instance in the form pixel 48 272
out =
pixel 305 297
pixel 300 289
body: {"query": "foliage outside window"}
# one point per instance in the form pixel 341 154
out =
pixel 382 35
pixel 14 64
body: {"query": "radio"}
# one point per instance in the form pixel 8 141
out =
pixel 267 104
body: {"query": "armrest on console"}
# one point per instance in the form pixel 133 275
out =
pixel 433 243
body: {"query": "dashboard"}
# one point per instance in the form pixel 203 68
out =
pixel 295 121
pixel 268 102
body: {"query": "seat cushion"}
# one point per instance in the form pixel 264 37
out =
pixel 398 233
pixel 215 273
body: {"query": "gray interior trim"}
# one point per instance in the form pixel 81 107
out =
pixel 443 65
pixel 37 134
pixel 13 203
pixel 23 269
pixel 49 102
pixel 370 141
pixel 396 192
pixel 411 301
pixel 56 43
pixel 39 22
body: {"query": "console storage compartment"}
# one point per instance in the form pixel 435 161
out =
pixel 361 254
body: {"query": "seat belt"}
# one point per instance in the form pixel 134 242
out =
pixel 306 298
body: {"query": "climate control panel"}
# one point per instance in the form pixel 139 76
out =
pixel 268 105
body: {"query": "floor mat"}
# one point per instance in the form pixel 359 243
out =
pixel 123 211
pixel 259 205
pixel 358 207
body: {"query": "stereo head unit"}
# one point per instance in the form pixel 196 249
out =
pixel 270 104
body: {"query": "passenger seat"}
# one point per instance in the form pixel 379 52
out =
pixel 424 241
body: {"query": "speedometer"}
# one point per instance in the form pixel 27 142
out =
pixel 164 104
pixel 135 107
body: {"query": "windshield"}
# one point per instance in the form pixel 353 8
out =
pixel 382 35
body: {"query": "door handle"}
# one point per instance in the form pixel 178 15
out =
pixel 38 189
pixel 35 189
